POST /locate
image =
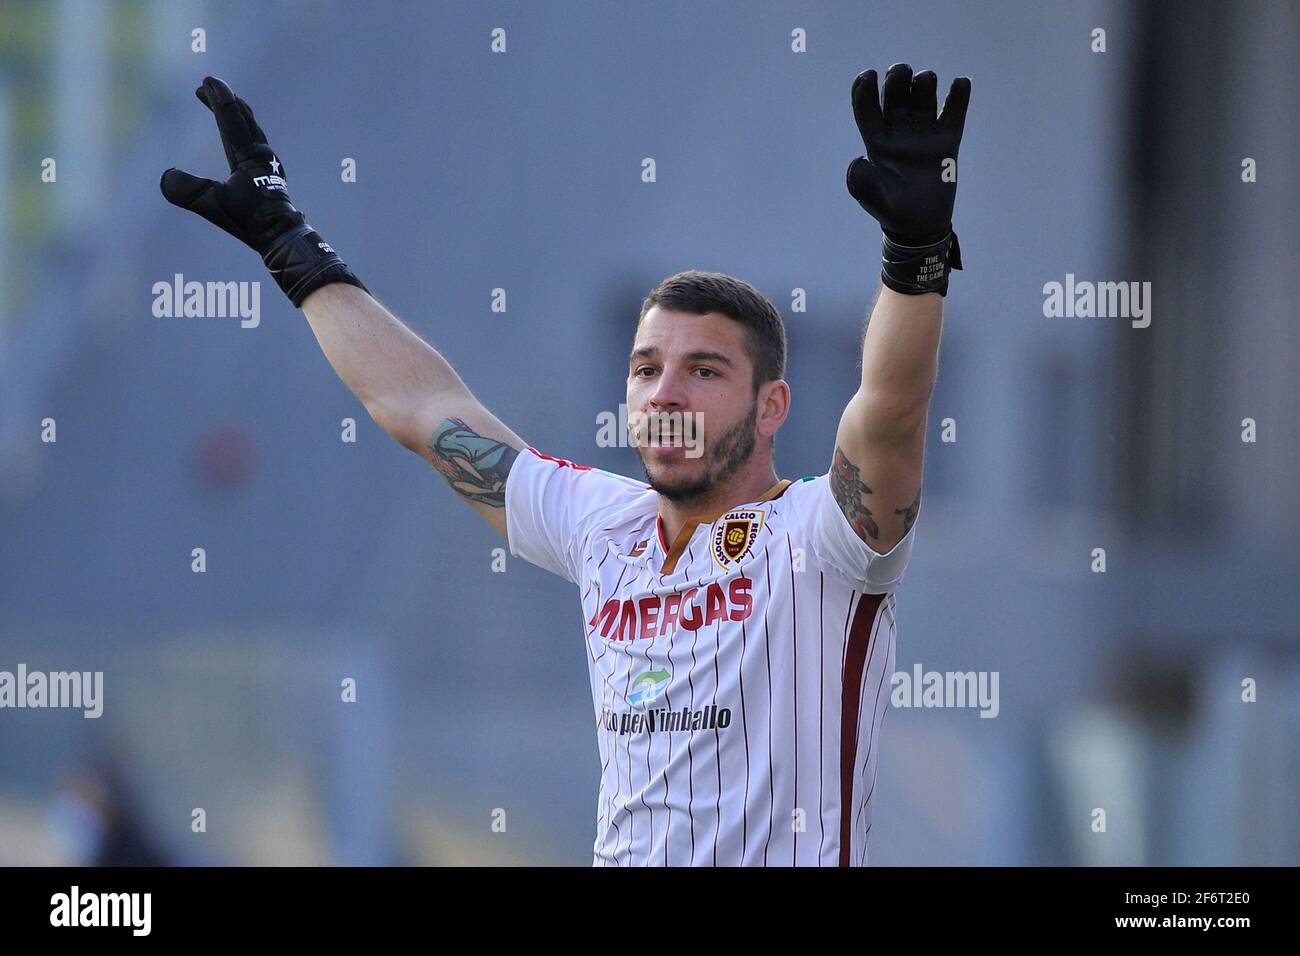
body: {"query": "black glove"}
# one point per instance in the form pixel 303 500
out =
pixel 253 204
pixel 900 180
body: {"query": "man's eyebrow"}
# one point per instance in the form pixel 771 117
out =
pixel 650 351
pixel 710 357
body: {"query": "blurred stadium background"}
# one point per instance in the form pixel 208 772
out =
pixel 475 171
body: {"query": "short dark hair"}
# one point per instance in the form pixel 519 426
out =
pixel 704 292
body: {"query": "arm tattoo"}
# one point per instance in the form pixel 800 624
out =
pixel 474 466
pixel 848 488
pixel 909 513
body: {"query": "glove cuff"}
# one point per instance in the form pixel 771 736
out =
pixel 915 270
pixel 301 262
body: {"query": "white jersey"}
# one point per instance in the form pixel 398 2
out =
pixel 739 675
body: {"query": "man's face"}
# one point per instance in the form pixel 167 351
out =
pixel 693 376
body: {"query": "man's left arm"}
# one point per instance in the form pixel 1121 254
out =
pixel 907 181
pixel 876 473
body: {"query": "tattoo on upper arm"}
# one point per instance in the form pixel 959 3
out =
pixel 848 488
pixel 476 467
pixel 909 513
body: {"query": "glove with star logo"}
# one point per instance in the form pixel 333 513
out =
pixel 253 204
pixel 907 180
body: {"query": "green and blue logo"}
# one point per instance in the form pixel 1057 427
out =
pixel 648 686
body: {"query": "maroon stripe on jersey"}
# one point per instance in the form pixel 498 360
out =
pixel 875 710
pixel 862 699
pixel 855 658
pixel 844 651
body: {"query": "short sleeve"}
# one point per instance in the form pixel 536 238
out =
pixel 550 504
pixel 835 544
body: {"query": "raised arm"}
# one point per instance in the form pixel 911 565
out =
pixel 908 183
pixel 876 473
pixel 405 385
pixel 415 395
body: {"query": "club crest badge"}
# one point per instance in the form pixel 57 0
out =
pixel 734 534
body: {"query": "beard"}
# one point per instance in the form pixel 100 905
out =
pixel 723 456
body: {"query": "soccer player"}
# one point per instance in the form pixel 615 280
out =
pixel 740 627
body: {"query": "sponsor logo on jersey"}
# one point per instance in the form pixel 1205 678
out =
pixel 734 535
pixel 648 687
pixel 659 615
pixel 712 717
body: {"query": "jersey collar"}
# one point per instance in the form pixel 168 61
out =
pixel 672 554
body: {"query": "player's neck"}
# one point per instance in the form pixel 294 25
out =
pixel 745 488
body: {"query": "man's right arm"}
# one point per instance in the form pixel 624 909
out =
pixel 407 387
pixel 414 395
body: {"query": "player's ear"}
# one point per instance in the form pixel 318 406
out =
pixel 773 406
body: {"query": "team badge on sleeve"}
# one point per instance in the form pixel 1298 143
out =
pixel 734 534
